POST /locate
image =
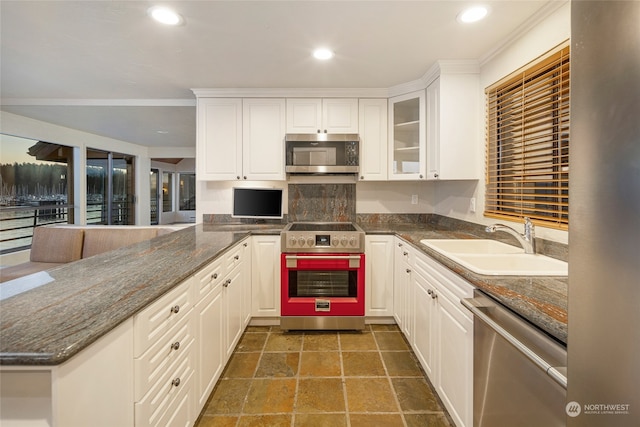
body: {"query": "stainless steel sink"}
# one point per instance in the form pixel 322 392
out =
pixel 490 257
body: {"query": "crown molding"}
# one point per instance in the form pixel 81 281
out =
pixel 291 93
pixel 63 102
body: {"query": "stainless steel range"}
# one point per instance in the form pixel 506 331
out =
pixel 322 266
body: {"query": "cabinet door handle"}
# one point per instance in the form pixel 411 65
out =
pixel 245 244
pixel 408 270
pixel 175 382
pixel 244 177
pixel 214 276
pixel 237 257
pixel 405 253
pixel 226 283
pixel 399 245
pixel 175 309
pixel 432 293
pixel 175 345
pixel 237 176
pixel 420 176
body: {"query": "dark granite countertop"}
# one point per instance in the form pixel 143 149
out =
pixel 88 298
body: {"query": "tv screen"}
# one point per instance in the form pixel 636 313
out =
pixel 257 203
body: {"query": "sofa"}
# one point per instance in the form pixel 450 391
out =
pixel 58 245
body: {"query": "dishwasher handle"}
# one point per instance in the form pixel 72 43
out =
pixel 554 372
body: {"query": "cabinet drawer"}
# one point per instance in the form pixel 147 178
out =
pixel 155 361
pixel 209 277
pixel 181 411
pixel 155 320
pixel 235 256
pixel 454 284
pixel 175 380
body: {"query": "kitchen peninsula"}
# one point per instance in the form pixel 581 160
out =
pixel 90 307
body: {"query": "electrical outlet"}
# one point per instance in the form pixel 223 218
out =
pixel 414 199
pixel 472 204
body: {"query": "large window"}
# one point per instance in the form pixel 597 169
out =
pixel 527 157
pixel 187 192
pixel 36 188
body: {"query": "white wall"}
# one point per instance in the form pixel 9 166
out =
pixel 394 197
pixel 452 198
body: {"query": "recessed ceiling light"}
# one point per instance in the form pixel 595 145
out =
pixel 323 54
pixel 166 16
pixel 473 14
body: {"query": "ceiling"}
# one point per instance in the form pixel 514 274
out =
pixel 106 68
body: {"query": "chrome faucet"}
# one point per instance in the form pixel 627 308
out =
pixel 527 240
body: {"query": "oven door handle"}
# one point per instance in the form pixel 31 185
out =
pixel 292 260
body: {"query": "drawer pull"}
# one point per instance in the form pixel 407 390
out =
pixel 226 283
pixel 175 309
pixel 245 245
pixel 175 382
pixel 214 276
pixel 405 253
pixel 175 345
pixel 432 293
pixel 237 257
pixel 408 270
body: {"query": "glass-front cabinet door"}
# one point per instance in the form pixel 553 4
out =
pixel 407 136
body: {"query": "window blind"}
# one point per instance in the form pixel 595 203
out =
pixel 527 149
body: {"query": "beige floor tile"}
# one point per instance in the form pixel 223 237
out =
pixel 258 328
pixel 278 420
pixel 401 364
pixel 385 328
pixel 370 395
pixel 320 420
pixel 423 420
pixel 320 364
pixel 241 365
pixel 391 341
pixel 228 397
pixel 279 341
pixel 376 420
pixel 415 394
pixel 319 341
pixel 362 364
pixel 217 421
pixel 253 341
pixel 269 396
pixel 320 395
pixel 278 365
pixel 357 341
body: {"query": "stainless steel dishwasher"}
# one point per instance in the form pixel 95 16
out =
pixel 519 372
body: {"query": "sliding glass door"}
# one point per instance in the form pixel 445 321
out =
pixel 110 188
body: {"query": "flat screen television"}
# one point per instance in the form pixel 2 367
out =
pixel 262 203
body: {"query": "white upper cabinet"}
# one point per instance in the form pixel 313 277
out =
pixel 263 129
pixel 373 139
pixel 407 137
pixel 316 115
pixel 240 139
pixel 219 139
pixel 453 122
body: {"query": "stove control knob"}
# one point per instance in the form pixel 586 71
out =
pixel 353 241
pixel 334 241
pixel 310 241
pixel 344 240
pixel 301 241
pixel 293 241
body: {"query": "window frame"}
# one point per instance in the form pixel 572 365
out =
pixel 527 142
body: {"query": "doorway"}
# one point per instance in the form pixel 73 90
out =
pixel 110 188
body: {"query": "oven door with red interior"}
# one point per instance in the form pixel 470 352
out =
pixel 322 284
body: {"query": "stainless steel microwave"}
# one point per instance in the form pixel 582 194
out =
pixel 322 153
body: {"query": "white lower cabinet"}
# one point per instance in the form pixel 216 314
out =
pixel 379 275
pixel 164 359
pixel 209 348
pixel 443 335
pixel 402 289
pixel 265 276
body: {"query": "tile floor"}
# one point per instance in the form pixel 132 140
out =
pixel 323 379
